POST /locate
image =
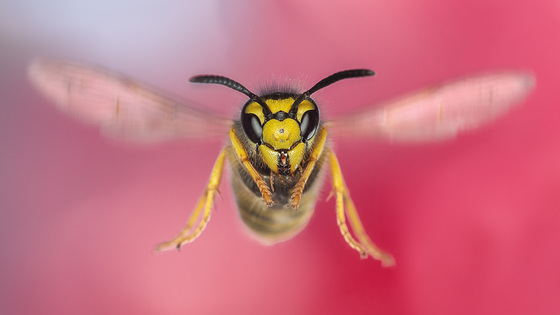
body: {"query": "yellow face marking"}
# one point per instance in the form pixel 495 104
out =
pixel 256 109
pixel 303 107
pixel 275 106
pixel 281 135
pixel 270 157
pixel 296 156
pixel 280 105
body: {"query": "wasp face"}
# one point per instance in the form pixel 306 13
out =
pixel 281 126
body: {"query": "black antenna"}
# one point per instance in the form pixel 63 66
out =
pixel 341 75
pixel 346 74
pixel 232 84
pixel 217 79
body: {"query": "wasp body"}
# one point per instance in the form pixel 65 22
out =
pixel 276 220
pixel 278 149
pixel 279 220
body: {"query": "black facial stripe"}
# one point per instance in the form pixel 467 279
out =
pixel 291 148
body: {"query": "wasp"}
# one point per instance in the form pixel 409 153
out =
pixel 278 149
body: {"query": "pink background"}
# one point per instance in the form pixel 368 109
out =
pixel 473 223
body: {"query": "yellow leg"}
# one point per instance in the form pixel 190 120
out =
pixel 244 157
pixel 315 154
pixel 364 245
pixel 187 235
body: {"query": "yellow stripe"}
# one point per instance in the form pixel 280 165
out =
pixel 256 109
pixel 304 107
pixel 280 105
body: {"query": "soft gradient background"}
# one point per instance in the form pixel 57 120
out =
pixel 473 223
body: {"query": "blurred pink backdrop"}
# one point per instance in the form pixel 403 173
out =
pixel 473 223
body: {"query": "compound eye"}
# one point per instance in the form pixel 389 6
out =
pixel 309 124
pixel 252 127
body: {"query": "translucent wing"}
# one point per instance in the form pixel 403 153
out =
pixel 121 107
pixel 441 112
